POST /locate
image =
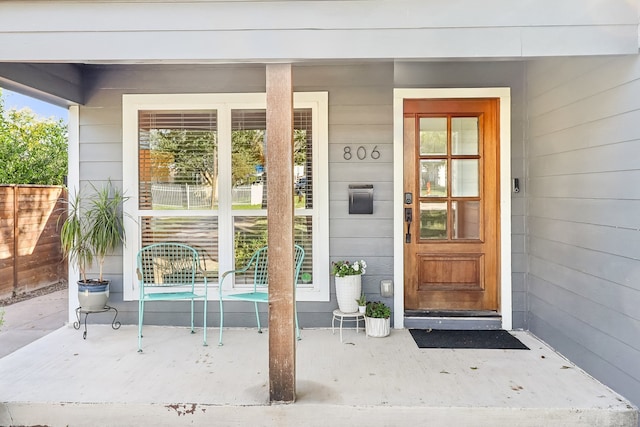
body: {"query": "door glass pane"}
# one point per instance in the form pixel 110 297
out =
pixel 466 219
pixel 433 135
pixel 464 177
pixel 178 159
pixel 433 220
pixel 464 135
pixel 433 178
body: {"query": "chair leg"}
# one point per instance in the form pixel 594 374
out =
pixel 192 324
pixel 140 319
pixel 204 321
pixel 297 327
pixel 221 321
pixel 258 318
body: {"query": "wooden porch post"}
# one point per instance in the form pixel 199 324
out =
pixel 282 360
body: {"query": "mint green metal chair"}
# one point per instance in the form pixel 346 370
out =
pixel 167 272
pixel 259 264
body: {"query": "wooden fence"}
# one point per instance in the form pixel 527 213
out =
pixel 30 255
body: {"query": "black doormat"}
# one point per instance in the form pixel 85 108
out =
pixel 490 339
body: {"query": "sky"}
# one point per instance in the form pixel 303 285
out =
pixel 40 108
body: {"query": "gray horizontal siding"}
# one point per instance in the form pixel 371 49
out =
pixel 368 237
pixel 605 212
pixel 271 30
pixel 583 210
pixel 360 109
pixel 592 298
pixel 365 122
pixel 619 242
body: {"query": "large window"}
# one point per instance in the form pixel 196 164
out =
pixel 197 164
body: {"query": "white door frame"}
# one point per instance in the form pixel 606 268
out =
pixel 504 95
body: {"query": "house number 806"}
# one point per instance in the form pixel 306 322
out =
pixel 360 153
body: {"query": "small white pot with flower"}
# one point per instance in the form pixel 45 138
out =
pixel 348 279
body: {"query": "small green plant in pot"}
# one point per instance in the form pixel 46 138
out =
pixel 377 319
pixel 362 303
pixel 92 229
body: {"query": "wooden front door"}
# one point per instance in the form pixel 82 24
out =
pixel 451 204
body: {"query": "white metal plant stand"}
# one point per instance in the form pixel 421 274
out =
pixel 349 317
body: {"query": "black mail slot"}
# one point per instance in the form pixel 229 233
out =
pixel 360 198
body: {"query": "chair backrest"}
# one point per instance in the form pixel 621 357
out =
pixel 261 266
pixel 167 264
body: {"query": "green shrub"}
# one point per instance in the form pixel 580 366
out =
pixel 378 309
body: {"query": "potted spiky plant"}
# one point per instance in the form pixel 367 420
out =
pixel 92 229
pixel 362 303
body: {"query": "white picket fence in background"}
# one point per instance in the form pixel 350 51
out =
pixel 193 196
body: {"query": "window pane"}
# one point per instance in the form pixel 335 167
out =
pixel 177 155
pixel 433 220
pixel 464 135
pixel 250 234
pixel 464 177
pixel 466 219
pixel 433 178
pixel 303 158
pixel 248 159
pixel 248 178
pixel 433 136
pixel 199 232
pixel 303 236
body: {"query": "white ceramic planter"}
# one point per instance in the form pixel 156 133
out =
pixel 348 290
pixel 377 327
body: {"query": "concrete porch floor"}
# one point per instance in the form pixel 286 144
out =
pixel 61 380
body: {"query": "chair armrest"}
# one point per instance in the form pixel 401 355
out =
pixel 206 285
pixel 226 273
pixel 230 272
pixel 224 276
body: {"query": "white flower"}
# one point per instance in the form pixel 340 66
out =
pixel 356 266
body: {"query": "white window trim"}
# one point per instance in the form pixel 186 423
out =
pixel 318 101
pixel 504 95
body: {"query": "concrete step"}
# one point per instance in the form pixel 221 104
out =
pixel 457 320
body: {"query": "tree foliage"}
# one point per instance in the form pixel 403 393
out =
pixel 32 150
pixel 189 155
pixel 247 153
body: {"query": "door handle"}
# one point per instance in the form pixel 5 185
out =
pixel 408 217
